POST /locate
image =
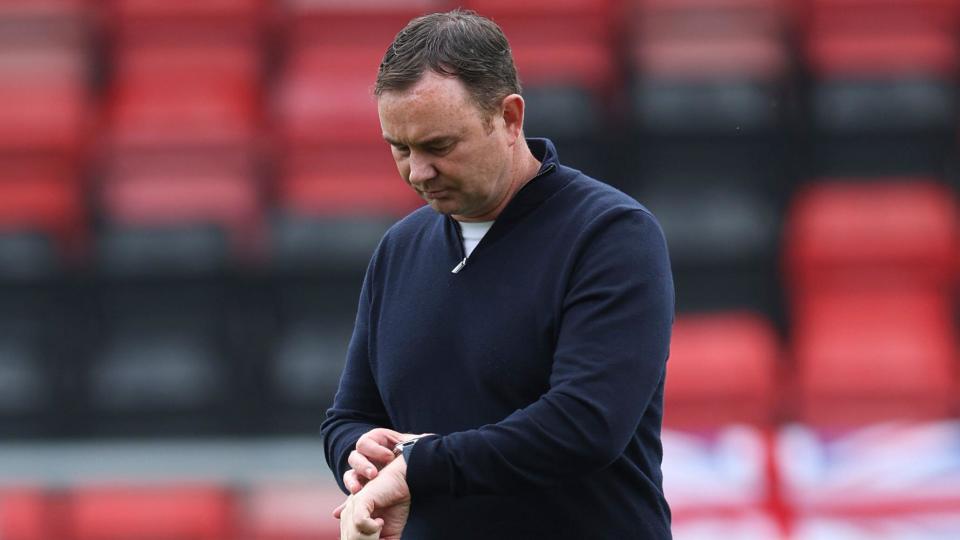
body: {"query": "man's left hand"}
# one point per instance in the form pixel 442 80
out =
pixel 380 509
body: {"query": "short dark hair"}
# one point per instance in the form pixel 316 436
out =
pixel 459 44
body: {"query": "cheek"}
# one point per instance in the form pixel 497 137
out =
pixel 404 169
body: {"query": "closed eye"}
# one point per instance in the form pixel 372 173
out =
pixel 440 149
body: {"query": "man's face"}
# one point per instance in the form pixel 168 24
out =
pixel 445 148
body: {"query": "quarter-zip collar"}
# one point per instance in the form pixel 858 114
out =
pixel 545 183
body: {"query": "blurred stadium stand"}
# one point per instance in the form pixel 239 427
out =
pixel 190 192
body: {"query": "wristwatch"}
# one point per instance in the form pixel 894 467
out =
pixel 404 448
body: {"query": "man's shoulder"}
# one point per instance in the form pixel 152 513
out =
pixel 414 224
pixel 594 197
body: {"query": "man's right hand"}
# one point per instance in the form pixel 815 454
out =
pixel 374 450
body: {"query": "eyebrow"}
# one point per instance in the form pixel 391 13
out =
pixel 436 141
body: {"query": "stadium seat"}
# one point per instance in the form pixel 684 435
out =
pixel 179 21
pixel 720 80
pixel 883 82
pixel 24 515
pixel 346 23
pixel 43 236
pixel 569 67
pixel 881 67
pixel 178 96
pixel 45 104
pixel 318 257
pixel 719 207
pixel 302 369
pixel 872 356
pixel 325 96
pixel 58 23
pixel 346 180
pixel 150 512
pixel 162 360
pixel 27 385
pixel 173 229
pixel 42 217
pixel 879 16
pixel 723 369
pixel 865 234
pixel 215 195
pixel 291 511
pixel 567 87
pixel 587 21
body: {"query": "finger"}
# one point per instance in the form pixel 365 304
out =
pixel 361 465
pixel 339 510
pixel 363 522
pixel 375 451
pixel 368 525
pixel 384 437
pixel 353 482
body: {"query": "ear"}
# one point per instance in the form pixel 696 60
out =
pixel 513 108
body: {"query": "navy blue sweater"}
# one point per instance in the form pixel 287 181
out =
pixel 540 365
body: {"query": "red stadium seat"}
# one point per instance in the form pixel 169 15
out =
pixel 847 234
pixel 176 21
pixel 346 23
pixel 45 22
pixel 708 66
pixel 882 54
pixel 872 356
pixel 198 95
pixel 705 18
pixel 583 65
pixel 148 115
pixel 880 16
pixel 292 512
pixel 158 192
pixel 556 21
pixel 44 102
pixel 42 196
pixel 39 118
pixel 345 180
pixel 24 515
pixel 722 369
pixel 151 513
pixel 326 96
pixel 189 64
pixel 572 41
pixel 722 57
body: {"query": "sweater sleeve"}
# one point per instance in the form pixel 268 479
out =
pixel 357 406
pixel 609 360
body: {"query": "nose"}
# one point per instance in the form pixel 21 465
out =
pixel 421 169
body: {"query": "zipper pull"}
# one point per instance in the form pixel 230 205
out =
pixel 459 267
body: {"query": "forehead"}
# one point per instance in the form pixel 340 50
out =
pixel 435 106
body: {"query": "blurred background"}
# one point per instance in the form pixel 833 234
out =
pixel 182 244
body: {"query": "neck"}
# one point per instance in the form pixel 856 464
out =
pixel 525 166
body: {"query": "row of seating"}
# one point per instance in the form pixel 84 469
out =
pixel 231 205
pixel 200 366
pixel 179 75
pixel 171 512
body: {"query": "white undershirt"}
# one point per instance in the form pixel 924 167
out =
pixel 472 233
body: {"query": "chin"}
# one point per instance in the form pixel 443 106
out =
pixel 443 207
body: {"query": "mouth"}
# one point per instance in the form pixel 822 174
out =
pixel 435 194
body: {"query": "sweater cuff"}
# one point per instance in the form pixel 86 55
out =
pixel 426 473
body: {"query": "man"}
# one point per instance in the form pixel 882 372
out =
pixel 521 319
